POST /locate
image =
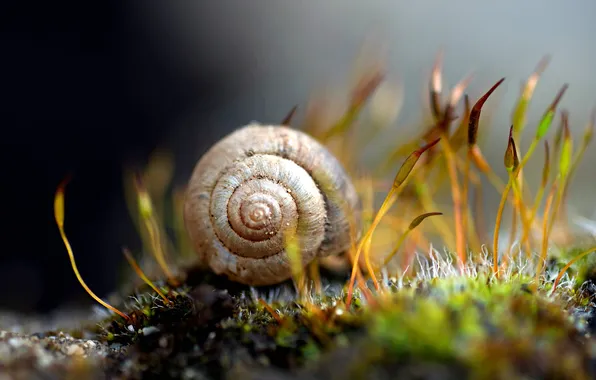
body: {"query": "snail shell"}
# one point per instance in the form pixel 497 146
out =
pixel 256 185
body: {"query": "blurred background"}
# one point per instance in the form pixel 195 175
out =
pixel 86 89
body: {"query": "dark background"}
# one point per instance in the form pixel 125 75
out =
pixel 87 88
pixel 83 91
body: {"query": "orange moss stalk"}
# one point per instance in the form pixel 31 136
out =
pixel 460 240
pixel 519 114
pixel 586 140
pixel 457 141
pixel 569 264
pixel 460 237
pixel 419 219
pixel 440 120
pixel 59 216
pixel 454 98
pixel 538 198
pixel 474 153
pixel 559 136
pixel 427 203
pixel 147 216
pixel 289 117
pixel 543 251
pixel 460 164
pixel 273 313
pixel 436 87
pixel 543 127
pixel 141 274
pixel 481 164
pixel 417 240
pixel 480 226
pixel 518 183
pixel 292 247
pixel 519 208
pixel 314 274
pixel 512 234
pixel 511 162
pixel 182 240
pixel 564 166
pixel 390 199
pixel 473 122
pixel 361 93
pixel 459 136
pixel 475 114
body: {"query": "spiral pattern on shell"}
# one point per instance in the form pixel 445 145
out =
pixel 254 187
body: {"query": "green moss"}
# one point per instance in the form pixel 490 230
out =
pixel 477 326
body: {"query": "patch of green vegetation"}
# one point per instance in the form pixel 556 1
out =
pixel 493 330
pixel 477 326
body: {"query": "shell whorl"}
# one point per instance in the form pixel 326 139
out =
pixel 254 186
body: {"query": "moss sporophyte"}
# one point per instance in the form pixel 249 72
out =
pixel 392 302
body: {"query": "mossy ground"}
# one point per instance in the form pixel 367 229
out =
pixel 432 325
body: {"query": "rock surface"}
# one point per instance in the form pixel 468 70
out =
pixel 57 356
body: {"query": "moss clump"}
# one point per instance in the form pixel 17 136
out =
pixel 500 331
pixel 461 326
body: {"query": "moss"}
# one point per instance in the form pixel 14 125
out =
pixel 475 327
pixel 511 334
